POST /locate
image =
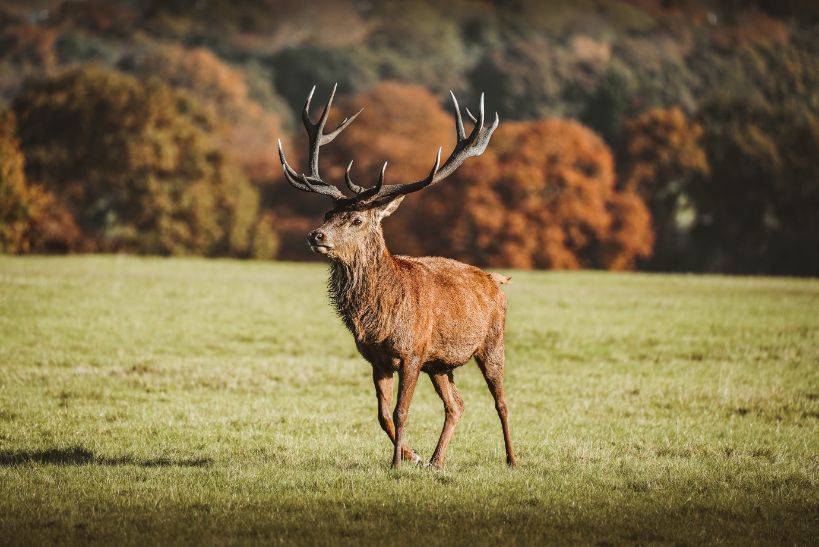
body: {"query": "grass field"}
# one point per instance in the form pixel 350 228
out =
pixel 221 402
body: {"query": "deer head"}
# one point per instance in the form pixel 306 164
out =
pixel 353 225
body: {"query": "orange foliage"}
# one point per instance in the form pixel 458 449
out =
pixel 542 196
pixel 56 230
pixel 30 217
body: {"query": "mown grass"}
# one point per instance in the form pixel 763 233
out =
pixel 220 402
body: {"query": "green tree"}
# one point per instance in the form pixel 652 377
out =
pixel 525 79
pixel 608 106
pixel 297 69
pixel 418 42
pixel 757 211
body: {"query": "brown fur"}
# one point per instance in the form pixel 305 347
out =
pixel 411 315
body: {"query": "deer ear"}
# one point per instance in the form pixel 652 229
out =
pixel 390 208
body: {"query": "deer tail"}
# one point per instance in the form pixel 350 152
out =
pixel 500 279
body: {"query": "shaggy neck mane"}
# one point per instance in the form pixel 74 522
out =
pixel 366 291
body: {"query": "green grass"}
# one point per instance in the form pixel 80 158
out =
pixel 199 401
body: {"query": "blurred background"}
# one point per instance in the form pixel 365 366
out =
pixel 675 135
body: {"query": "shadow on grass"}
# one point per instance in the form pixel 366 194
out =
pixel 77 455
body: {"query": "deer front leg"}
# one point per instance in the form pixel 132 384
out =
pixel 383 390
pixel 407 378
pixel 453 407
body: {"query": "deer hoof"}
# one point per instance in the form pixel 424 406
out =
pixel 416 459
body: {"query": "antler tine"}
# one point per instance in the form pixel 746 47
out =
pixel 362 193
pixel 380 183
pixel 341 127
pixel 479 121
pixel 303 182
pixel 354 188
pixel 289 173
pixel 305 113
pixel 326 112
pixel 459 122
pixel 434 171
pixel 494 124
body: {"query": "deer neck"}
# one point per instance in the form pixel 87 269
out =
pixel 366 291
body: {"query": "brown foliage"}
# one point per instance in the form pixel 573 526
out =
pixel 660 146
pixel 98 16
pixel 29 46
pixel 319 22
pixel 542 196
pixel 30 218
pixel 244 128
pixel 135 163
pixel 662 152
pixel 55 230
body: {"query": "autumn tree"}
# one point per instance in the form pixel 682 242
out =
pixel 661 153
pixel 20 204
pixel 541 196
pixel 30 217
pixel 135 165
pixel 245 130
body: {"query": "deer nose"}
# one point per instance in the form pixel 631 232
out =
pixel 316 237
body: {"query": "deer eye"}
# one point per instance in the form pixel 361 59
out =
pixel 357 221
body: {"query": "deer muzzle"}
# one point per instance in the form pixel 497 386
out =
pixel 318 242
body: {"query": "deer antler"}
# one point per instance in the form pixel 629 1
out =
pixel 467 146
pixel 316 139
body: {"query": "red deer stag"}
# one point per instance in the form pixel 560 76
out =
pixel 408 315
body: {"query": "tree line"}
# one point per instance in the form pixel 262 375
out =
pixel 660 135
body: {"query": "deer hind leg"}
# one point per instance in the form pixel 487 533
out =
pixel 383 390
pixel 444 385
pixel 491 361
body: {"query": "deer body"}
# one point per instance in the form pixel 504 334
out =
pixel 435 308
pixel 408 315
